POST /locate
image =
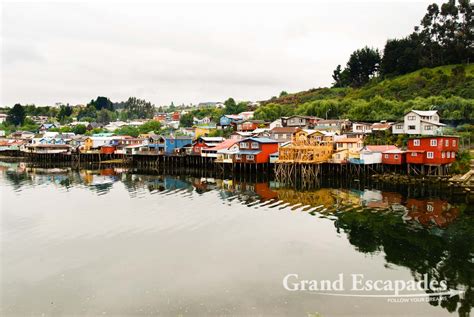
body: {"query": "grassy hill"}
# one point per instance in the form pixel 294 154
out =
pixel 448 89
pixel 446 81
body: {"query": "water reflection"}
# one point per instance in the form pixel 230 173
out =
pixel 424 234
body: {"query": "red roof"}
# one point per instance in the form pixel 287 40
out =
pixel 224 145
pixel 381 148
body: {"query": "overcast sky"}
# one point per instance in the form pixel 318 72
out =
pixel 186 53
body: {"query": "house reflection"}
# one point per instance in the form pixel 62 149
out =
pixel 431 212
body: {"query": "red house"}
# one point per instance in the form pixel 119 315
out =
pixel 432 150
pixel 175 116
pixel 394 157
pixel 248 125
pixel 255 150
pixel 205 142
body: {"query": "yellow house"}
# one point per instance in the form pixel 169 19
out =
pixel 347 148
pixel 202 131
pixel 88 143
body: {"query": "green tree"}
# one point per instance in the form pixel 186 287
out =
pixel 105 116
pixel 363 64
pixel 102 103
pixel 231 107
pixel 16 115
pixel 150 126
pixel 127 130
pixel 79 129
pixel 135 108
pixel 64 112
pixel 186 120
pixel 401 56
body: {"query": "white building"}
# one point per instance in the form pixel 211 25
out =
pixel 420 123
pixel 3 117
pixel 361 127
pixel 276 124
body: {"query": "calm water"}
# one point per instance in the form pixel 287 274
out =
pixel 113 242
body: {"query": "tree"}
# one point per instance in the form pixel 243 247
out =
pixel 102 103
pixel 186 120
pixel 105 116
pixel 79 129
pixel 283 94
pixel 89 112
pixel 401 56
pixel 340 77
pixel 16 115
pixel 363 64
pixel 135 108
pixel 232 108
pixel 127 130
pixel 150 126
pixel 64 112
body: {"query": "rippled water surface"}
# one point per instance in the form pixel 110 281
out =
pixel 117 242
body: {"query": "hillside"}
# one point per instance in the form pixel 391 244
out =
pixel 447 81
pixel 449 89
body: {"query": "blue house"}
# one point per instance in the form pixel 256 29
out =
pixel 177 143
pixel 227 119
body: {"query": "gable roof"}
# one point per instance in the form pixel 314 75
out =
pixel 224 145
pixel 425 112
pixel 380 148
pixel 260 140
pixel 284 129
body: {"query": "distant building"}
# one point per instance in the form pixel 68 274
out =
pixel 3 117
pixel 299 121
pixel 417 122
pixel 335 125
pixel 283 134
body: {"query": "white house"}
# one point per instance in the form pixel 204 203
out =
pixel 419 122
pixel 276 124
pixel 3 117
pixel 361 127
pixel 246 115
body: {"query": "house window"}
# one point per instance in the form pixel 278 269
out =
pixel 448 155
pixel 446 142
pixel 238 156
pixel 430 155
pixel 411 118
pixel 443 154
pixel 453 155
pixel 454 142
pixel 349 145
pixel 339 145
pixel 244 145
pixel 338 156
pixel 277 135
pixel 433 142
pixel 411 127
pixel 396 156
pixel 399 126
pixel 427 127
pixel 386 156
pixel 254 145
pixel 413 154
pixel 250 157
pixel 283 136
pixel 416 142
